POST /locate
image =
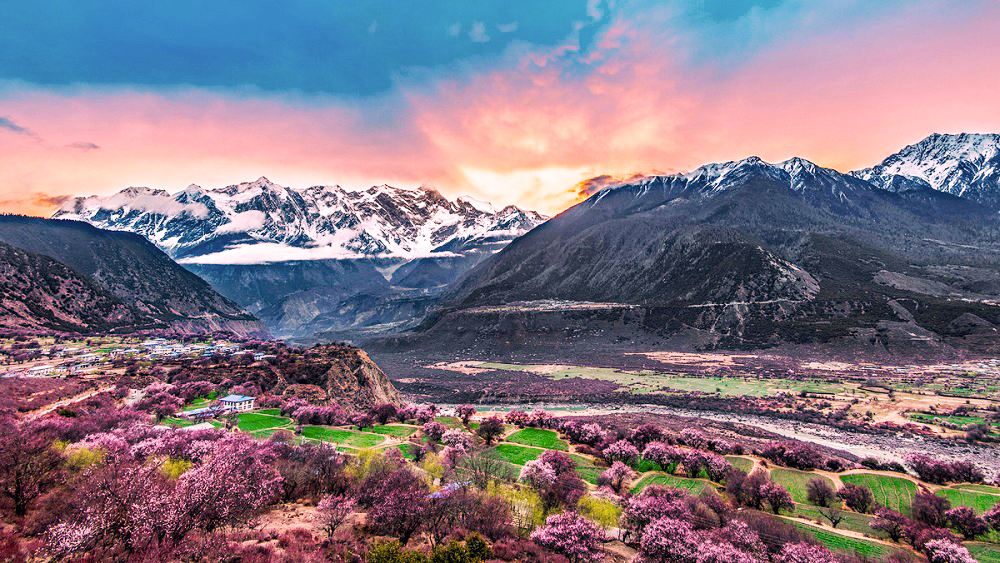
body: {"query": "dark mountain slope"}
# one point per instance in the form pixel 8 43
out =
pixel 40 294
pixel 134 271
pixel 745 254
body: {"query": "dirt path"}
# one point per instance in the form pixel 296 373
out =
pixel 843 532
pixel 37 413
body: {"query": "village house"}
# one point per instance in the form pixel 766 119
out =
pixel 237 403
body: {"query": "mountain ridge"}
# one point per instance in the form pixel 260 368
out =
pixel 742 254
pixel 118 269
pixel 198 225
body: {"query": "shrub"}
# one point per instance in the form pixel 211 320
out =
pixel 820 492
pixel 793 454
pixel 465 412
pixel 992 517
pixel 930 509
pixel 857 497
pixel 664 455
pixel 490 429
pixel 434 430
pixel 645 434
pixel 805 553
pixel 890 522
pixel 391 551
pixel 966 522
pixel 616 476
pixel 477 548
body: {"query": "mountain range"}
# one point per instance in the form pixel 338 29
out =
pixel 750 254
pixel 746 253
pixel 67 276
pixel 317 260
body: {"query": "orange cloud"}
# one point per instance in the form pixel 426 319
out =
pixel 533 129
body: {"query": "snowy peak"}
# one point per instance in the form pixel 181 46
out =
pixel 261 221
pixel 965 164
pixel 798 174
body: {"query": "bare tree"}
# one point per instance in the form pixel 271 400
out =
pixel 486 466
pixel 834 515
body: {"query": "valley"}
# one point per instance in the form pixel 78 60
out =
pixel 778 352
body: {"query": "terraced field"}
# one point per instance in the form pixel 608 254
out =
pixel 394 430
pixel 253 421
pixel 893 492
pixel 539 438
pixel 695 486
pixel 845 544
pixel 795 482
pixel 645 381
pixel 852 520
pixel 984 552
pixel 342 437
pixel 175 422
pixel 744 464
pixel 978 501
pixel 519 455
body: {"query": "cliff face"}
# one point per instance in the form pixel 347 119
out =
pixel 327 374
pixel 345 374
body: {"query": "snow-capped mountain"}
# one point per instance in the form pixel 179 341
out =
pixel 260 221
pixel 965 165
pixel 812 182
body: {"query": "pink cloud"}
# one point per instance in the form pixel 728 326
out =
pixel 528 129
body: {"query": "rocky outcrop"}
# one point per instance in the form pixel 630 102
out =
pixel 346 374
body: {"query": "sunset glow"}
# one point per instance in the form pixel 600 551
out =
pixel 634 88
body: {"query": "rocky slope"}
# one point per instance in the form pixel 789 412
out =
pixel 317 259
pixel 330 373
pixel 38 294
pixel 127 281
pixel 739 254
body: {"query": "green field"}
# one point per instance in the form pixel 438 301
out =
pixel 519 455
pixel 852 520
pixel 844 544
pixel 275 412
pixel 586 469
pixel 539 438
pixel 695 486
pixel 252 421
pixel 198 403
pixel 984 552
pixel 744 464
pixel 268 432
pixel 640 382
pixel 645 465
pixel 394 430
pixel 407 450
pixel 450 421
pixel 174 422
pixel 342 437
pixel 795 482
pixel 893 492
pixel 978 501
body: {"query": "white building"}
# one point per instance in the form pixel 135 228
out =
pixel 238 403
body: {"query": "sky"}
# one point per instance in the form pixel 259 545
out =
pixel 515 102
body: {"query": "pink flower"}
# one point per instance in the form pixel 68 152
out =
pixel 946 551
pixel 805 553
pixel 571 535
